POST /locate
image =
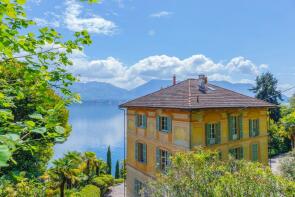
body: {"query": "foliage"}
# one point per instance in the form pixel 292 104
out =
pixel 117 172
pixel 201 173
pixel 118 181
pixel 287 166
pixel 278 142
pixel 32 65
pixel 90 191
pixel 103 182
pixel 123 171
pixel 266 89
pixel 74 171
pixel 288 124
pixel 109 160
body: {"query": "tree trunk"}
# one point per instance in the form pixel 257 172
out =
pixel 97 170
pixel 62 188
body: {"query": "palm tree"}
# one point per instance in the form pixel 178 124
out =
pixel 90 160
pixel 66 171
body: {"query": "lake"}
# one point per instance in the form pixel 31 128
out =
pixel 95 126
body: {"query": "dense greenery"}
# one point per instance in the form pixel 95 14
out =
pixel 202 173
pixel 266 89
pixel 117 172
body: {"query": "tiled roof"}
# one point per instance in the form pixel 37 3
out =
pixel 186 95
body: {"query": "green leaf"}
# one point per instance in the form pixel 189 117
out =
pixel 60 139
pixel 21 2
pixel 40 130
pixel 30 123
pixel 12 136
pixel 5 155
pixel 59 129
pixel 36 116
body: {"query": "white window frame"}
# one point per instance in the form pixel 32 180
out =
pixel 164 160
pixel 140 120
pixel 164 123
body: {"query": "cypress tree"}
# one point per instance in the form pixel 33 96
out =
pixel 109 160
pixel 117 172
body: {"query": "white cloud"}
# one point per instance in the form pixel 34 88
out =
pixel 111 70
pixel 93 24
pixel 161 14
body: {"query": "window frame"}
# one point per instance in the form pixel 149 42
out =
pixel 140 153
pixel 164 123
pixel 255 127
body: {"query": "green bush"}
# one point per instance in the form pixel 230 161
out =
pixel 103 182
pixel 117 181
pixel 90 191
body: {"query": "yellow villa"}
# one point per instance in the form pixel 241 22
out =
pixel 190 114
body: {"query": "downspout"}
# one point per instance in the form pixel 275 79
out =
pixel 124 111
pixel 190 130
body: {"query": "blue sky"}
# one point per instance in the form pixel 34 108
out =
pixel 135 41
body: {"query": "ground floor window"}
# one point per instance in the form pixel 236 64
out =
pixel 255 152
pixel 163 159
pixel 139 189
pixel 140 152
pixel 237 153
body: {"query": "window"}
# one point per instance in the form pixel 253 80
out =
pixel 163 159
pixel 255 152
pixel 140 152
pixel 254 127
pixel 140 120
pixel 237 153
pixel 139 189
pixel 212 133
pixel 164 123
pixel 235 127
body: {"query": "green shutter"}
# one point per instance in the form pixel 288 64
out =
pixel 158 157
pixel 254 152
pixel 144 121
pixel 158 123
pixel 135 121
pixel 230 127
pixel 169 158
pixel 207 134
pixel 250 128
pixel 241 153
pixel 169 124
pixel 241 126
pixel 218 133
pixel 258 128
pixel 136 151
pixel 144 154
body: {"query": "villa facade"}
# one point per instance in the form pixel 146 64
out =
pixel 191 114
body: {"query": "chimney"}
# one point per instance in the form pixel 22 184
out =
pixel 203 83
pixel 174 80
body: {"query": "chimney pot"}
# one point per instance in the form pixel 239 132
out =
pixel 203 83
pixel 174 79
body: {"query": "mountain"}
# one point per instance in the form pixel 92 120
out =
pixel 99 91
pixel 104 92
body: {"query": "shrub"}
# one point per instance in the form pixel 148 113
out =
pixel 90 191
pixel 287 166
pixel 103 182
pixel 117 181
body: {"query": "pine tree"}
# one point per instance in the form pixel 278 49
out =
pixel 266 89
pixel 109 160
pixel 117 172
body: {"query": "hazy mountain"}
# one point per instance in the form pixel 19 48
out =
pixel 98 91
pixel 104 92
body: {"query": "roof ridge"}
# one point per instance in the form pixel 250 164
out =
pixel 154 92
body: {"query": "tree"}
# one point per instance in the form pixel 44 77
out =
pixel 266 89
pixel 117 172
pixel 91 163
pixel 109 160
pixel 32 66
pixel 202 173
pixel 123 169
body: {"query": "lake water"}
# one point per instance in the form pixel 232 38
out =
pixel 95 126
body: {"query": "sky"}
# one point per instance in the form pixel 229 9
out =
pixel 135 41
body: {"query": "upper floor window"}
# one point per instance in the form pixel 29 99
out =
pixel 212 133
pixel 139 189
pixel 235 125
pixel 163 159
pixel 140 120
pixel 164 123
pixel 140 152
pixel 254 127
pixel 237 153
